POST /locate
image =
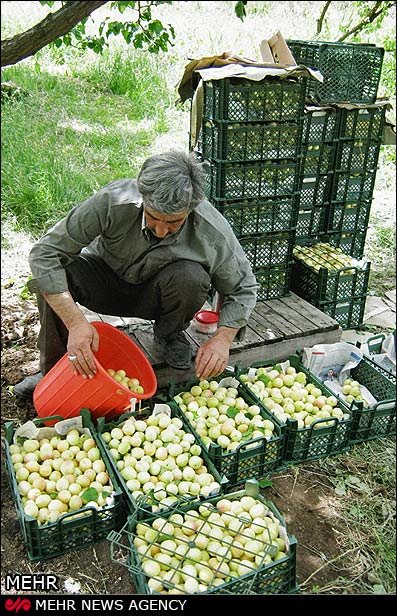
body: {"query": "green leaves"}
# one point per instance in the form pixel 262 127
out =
pixel 89 495
pixel 239 9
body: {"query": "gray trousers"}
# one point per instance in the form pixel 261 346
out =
pixel 170 298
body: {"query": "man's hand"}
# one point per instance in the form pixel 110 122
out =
pixel 213 356
pixel 83 340
pixel 83 337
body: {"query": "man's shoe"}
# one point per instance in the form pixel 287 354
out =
pixel 25 388
pixel 175 350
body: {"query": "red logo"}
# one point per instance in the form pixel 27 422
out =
pixel 18 604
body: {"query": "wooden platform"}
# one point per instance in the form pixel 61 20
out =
pixel 276 329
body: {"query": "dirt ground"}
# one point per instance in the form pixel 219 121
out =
pixel 308 504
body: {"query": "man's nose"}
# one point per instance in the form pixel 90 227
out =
pixel 161 229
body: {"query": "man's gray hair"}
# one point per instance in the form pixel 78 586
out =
pixel 171 182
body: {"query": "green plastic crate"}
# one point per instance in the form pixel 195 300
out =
pixel 257 216
pixel 374 344
pixel 351 242
pixel 320 131
pixel 268 250
pixel 348 313
pixel 315 441
pixel 276 577
pixel 242 100
pixel 348 217
pixel 251 180
pixel 314 191
pixel 351 71
pixel 231 142
pixel 247 461
pixel 142 507
pixel 351 186
pixel 357 156
pixel 327 286
pixel 310 224
pixel 66 534
pixel 378 420
pixel 365 123
pixel 274 282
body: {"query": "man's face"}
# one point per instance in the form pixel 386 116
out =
pixel 162 225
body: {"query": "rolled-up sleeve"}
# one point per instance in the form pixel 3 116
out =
pixel 235 282
pixel 65 240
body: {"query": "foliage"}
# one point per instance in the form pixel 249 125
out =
pixel 77 132
pixel 143 31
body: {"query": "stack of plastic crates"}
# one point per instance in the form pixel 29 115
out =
pixel 251 135
pixel 327 278
pixel 351 71
pixel 356 160
pixel 319 139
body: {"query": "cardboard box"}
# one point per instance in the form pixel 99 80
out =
pixel 276 51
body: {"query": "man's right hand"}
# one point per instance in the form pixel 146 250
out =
pixel 83 340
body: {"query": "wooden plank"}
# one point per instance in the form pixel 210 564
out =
pixel 144 337
pixel 292 315
pixel 265 328
pixel 267 310
pixel 322 320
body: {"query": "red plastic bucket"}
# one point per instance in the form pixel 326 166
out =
pixel 61 392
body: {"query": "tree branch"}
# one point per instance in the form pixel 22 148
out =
pixel 321 18
pixel 368 19
pixel 50 28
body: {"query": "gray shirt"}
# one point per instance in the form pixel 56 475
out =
pixel 110 224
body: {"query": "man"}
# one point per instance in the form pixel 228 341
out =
pixel 151 249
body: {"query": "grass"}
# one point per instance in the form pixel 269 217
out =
pixel 76 131
pixel 364 481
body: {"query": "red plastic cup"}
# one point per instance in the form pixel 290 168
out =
pixel 206 321
pixel 61 392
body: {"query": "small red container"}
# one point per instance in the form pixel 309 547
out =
pixel 61 392
pixel 206 321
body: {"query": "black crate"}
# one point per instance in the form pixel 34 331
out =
pixel 251 180
pixel 254 458
pixel 257 216
pixel 351 242
pixel 274 282
pixel 231 142
pixel 318 440
pixel 325 286
pixel 351 71
pixel 73 530
pixel 363 123
pixel 241 100
pixel 378 420
pixel 277 576
pixel 268 250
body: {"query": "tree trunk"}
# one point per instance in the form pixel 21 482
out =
pixel 50 28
